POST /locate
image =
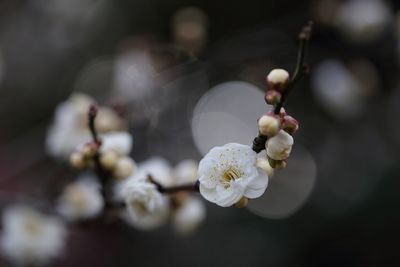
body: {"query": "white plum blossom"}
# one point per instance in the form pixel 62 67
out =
pixel 189 215
pixel 69 128
pixel 228 173
pixel 280 146
pixel 159 169
pixel 31 238
pixel 117 142
pixel 81 200
pixel 146 207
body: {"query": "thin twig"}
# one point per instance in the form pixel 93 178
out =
pixel 193 187
pixel 91 123
pixel 301 68
pixel 259 143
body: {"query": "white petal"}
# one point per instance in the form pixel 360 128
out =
pixel 257 186
pixel 118 142
pixel 207 193
pixel 228 197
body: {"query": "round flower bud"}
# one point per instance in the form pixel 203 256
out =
pixel 268 125
pixel 290 124
pixel 77 160
pixel 124 168
pixel 277 79
pixel 242 203
pixel 273 97
pixel 89 150
pixel 279 146
pixel 107 120
pixel 108 160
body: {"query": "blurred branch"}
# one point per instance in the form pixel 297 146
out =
pixel 175 189
pixel 301 68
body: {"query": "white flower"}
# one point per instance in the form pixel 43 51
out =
pixel 185 172
pixel 147 208
pixel 30 237
pixel 189 215
pixel 158 168
pixel 228 173
pixel 117 142
pixel 81 200
pixel 280 146
pixel 363 20
pixel 69 128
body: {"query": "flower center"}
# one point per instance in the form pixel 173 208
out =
pixel 32 226
pixel 229 175
pixel 140 207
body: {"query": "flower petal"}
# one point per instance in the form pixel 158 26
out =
pixel 207 193
pixel 228 197
pixel 257 186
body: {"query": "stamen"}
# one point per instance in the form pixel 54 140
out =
pixel 229 175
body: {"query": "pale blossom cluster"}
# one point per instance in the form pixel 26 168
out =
pixel 31 238
pixel 229 175
pixel 69 128
pixel 147 208
pixel 81 199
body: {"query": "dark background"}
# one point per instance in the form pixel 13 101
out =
pixel 45 53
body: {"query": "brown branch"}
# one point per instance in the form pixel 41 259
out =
pixel 301 68
pixel 259 143
pixel 193 187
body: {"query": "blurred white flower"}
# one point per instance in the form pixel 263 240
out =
pixel 363 20
pixel 185 172
pixel 342 91
pixel 280 146
pixel 158 168
pixel 31 238
pixel 133 75
pixel 228 173
pixel 146 208
pixel 69 127
pixel 189 215
pixel 117 142
pixel 81 200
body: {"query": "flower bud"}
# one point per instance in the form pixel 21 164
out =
pixel 107 120
pixel 277 164
pixel 242 203
pixel 108 160
pixel 77 160
pixel 273 97
pixel 277 79
pixel 124 168
pixel 89 150
pixel 279 146
pixel 264 165
pixel 268 125
pixel 290 124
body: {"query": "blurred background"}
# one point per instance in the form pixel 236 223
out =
pixel 189 75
